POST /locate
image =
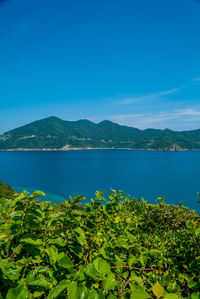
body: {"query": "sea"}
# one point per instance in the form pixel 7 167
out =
pixel 144 174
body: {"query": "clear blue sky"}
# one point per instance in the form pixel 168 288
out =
pixel 135 62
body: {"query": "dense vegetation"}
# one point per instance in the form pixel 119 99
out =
pixel 124 248
pixel 6 190
pixel 54 133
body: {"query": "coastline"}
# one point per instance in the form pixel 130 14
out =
pixel 89 148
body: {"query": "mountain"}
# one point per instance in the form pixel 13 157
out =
pixel 55 133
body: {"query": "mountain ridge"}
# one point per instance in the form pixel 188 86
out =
pixel 55 133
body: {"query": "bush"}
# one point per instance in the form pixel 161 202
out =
pixel 124 248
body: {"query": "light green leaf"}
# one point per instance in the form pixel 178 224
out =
pixel 39 281
pixel 37 193
pixel 20 292
pixel 91 271
pixel 83 292
pixel 138 292
pixel 173 296
pixel 72 290
pixel 110 282
pixel 3 237
pixel 55 292
pixel 52 253
pixel 197 231
pixel 193 296
pixel 80 236
pixel 57 241
pixel 64 261
pixel 37 294
pixel 12 274
pixel 157 290
pixel 101 266
pixel 16 214
pixel 31 241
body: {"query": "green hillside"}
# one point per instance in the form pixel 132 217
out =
pixel 54 133
pixel 6 191
pixel 125 248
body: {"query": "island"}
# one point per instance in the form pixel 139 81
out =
pixel 53 133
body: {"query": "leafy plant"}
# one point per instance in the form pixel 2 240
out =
pixel 124 248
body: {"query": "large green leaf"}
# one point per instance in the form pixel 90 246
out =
pixel 37 193
pixel 20 292
pixel 16 214
pixel 195 295
pixel 109 283
pixel 83 292
pixel 91 271
pixel 39 281
pixel 138 292
pixel 57 241
pixel 32 241
pixel 64 261
pixel 72 290
pixel 52 253
pixel 80 236
pixel 12 273
pixel 101 266
pixel 55 292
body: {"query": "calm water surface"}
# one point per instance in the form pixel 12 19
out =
pixel 149 174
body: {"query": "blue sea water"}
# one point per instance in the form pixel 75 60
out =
pixel 147 174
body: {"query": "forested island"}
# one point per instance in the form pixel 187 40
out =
pixel 53 133
pixel 114 246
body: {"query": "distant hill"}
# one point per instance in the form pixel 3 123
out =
pixel 55 133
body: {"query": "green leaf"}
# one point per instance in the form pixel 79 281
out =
pixel 3 237
pixel 37 193
pixel 173 296
pixel 80 236
pixel 39 281
pixel 20 292
pixel 197 231
pixel 72 290
pixel 157 290
pixel 55 292
pixel 12 274
pixel 138 292
pixel 83 292
pixel 77 250
pixel 57 241
pixel 16 214
pixel 31 241
pixel 110 283
pixel 96 295
pixel 101 266
pixel 52 253
pixel 64 261
pixel 136 279
pixel 37 294
pixel 91 271
pixel 193 296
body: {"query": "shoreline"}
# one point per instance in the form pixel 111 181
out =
pixel 89 148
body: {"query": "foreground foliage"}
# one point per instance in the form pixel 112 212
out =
pixel 124 248
pixel 6 190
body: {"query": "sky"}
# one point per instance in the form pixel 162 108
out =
pixel 134 62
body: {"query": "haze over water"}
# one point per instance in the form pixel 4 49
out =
pixel 149 174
